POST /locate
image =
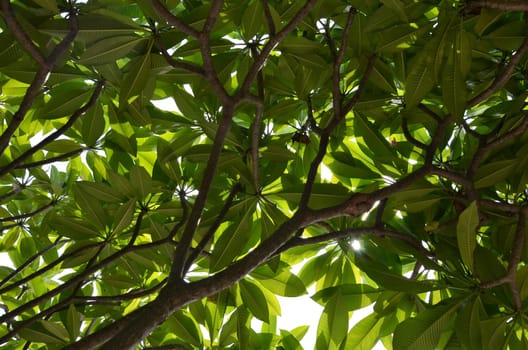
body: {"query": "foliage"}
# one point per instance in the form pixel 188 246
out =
pixel 298 128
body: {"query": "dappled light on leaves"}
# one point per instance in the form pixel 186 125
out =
pixel 170 171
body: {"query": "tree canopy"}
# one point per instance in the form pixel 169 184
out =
pixel 297 128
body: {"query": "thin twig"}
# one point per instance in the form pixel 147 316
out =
pixel 28 262
pixel 30 214
pixel 338 60
pixel 42 74
pixel 409 137
pixel 210 233
pixel 271 44
pixel 190 67
pixel 173 21
pixel 62 157
pixel 137 228
pixel 180 255
pixel 353 232
pixel 501 5
pixel 485 148
pixel 504 75
pixel 362 84
pixel 255 127
pixel 269 18
pixel 513 263
pixel 22 37
pixel 311 119
pixel 54 135
pixel 429 112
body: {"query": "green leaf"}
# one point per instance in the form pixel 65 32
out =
pixel 398 7
pixel 254 300
pixel 39 334
pixel 372 137
pixel 468 325
pixel 467 224
pixel 492 173
pixel 283 283
pixel 323 195
pixel 508 37
pixel 123 216
pixel 185 328
pixel 93 125
pixel 356 296
pixel 252 20
pixel 230 243
pixel 136 79
pixel 423 331
pixel 419 81
pixel 109 49
pixel 73 322
pixel 141 182
pixel 91 208
pixel 390 280
pixel 333 324
pixel 454 86
pixel 73 228
pixel 364 335
pixel 62 146
pixel 64 102
pixel 100 191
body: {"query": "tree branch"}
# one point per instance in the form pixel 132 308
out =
pixel 62 157
pixel 271 44
pixel 30 214
pixel 353 232
pixel 269 18
pixel 178 64
pixel 409 137
pixel 180 256
pixel 172 20
pixel 513 263
pixel 505 75
pixel 255 127
pixel 338 60
pixel 28 262
pixel 501 5
pixel 59 132
pixel 210 233
pixel 22 37
pixel 42 74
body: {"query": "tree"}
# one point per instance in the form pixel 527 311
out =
pixel 299 127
